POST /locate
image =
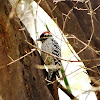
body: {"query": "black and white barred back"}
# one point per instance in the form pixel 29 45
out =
pixel 51 46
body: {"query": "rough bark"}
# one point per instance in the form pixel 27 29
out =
pixel 79 24
pixel 20 80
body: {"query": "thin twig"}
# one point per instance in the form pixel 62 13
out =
pixel 69 47
pixel 73 36
pixel 18 58
pixel 97 8
pixel 67 16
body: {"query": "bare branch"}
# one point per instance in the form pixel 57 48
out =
pixel 13 61
pixel 66 91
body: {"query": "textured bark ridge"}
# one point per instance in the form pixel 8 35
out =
pixel 20 80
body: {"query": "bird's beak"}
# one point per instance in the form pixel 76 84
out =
pixel 39 39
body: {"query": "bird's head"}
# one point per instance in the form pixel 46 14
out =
pixel 45 35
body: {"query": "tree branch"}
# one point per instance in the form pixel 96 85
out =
pixel 66 91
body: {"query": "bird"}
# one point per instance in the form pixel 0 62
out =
pixel 51 46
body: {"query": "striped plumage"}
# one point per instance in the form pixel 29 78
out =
pixel 51 46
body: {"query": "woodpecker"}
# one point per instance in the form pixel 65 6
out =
pixel 50 45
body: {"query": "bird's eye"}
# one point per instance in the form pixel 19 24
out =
pixel 46 35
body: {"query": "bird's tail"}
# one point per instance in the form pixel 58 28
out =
pixel 50 74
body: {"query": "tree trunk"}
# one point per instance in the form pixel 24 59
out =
pixel 20 80
pixel 79 23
